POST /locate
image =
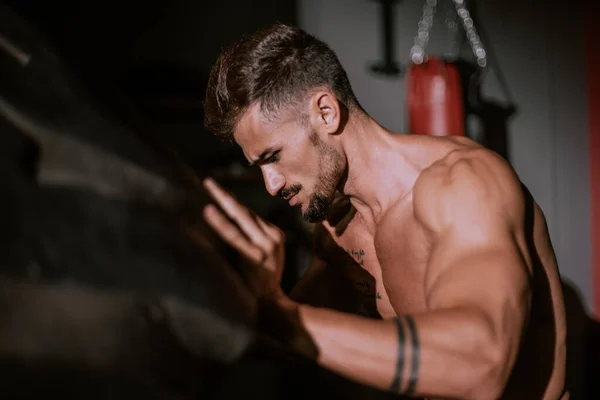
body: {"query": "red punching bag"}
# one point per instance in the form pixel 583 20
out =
pixel 434 97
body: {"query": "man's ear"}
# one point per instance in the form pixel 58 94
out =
pixel 325 113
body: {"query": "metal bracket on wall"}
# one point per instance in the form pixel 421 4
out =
pixel 388 65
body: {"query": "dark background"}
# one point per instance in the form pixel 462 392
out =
pixel 158 54
pixel 156 57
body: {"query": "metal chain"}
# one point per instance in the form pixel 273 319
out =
pixel 455 37
pixel 472 36
pixel 417 52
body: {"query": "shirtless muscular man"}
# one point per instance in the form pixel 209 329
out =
pixel 460 267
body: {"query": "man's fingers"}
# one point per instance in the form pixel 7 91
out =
pixel 274 233
pixel 232 234
pixel 249 224
pixel 227 202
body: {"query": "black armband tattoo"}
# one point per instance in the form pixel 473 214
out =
pixel 414 355
pixel 400 364
pixel 414 372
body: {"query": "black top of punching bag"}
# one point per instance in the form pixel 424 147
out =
pixel 92 214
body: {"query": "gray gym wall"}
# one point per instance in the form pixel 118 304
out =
pixel 540 50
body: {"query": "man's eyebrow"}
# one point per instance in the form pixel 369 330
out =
pixel 261 157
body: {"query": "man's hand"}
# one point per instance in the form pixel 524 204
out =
pixel 260 243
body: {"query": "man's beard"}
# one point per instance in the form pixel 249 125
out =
pixel 331 168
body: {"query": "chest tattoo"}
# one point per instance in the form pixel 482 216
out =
pixel 365 286
pixel 357 255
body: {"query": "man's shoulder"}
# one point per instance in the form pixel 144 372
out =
pixel 465 169
pixel 457 159
pixel 457 182
pixel 465 183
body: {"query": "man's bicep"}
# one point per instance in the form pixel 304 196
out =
pixel 493 277
pixel 491 284
pixel 474 209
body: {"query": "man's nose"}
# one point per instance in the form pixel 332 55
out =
pixel 274 181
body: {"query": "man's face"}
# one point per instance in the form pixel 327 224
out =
pixel 295 162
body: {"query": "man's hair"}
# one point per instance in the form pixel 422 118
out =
pixel 276 67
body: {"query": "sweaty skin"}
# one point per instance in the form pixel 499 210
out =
pixel 434 275
pixel 532 287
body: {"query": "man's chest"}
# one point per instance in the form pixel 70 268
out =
pixel 390 287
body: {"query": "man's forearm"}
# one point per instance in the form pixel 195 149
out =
pixel 439 354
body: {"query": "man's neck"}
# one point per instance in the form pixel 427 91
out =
pixel 379 170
